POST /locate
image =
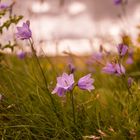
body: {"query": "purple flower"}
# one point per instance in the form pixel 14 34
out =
pixel 119 69
pixel 117 2
pixel 64 83
pixel 21 55
pixel 86 83
pixel 71 67
pixel 112 68
pixel 24 32
pixel 97 56
pixel 122 49
pixel 3 6
pixel 109 68
pixel 130 82
pixel 130 52
pixel 129 60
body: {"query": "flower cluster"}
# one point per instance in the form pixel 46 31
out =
pixel 66 83
pixel 114 68
pixel 117 68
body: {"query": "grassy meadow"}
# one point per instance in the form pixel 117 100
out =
pixel 27 112
pixel 102 106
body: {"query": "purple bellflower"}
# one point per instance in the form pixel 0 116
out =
pixel 21 55
pixel 86 83
pixel 97 56
pixel 109 68
pixel 122 49
pixel 24 32
pixel 130 56
pixel 3 6
pixel 129 60
pixel 117 2
pixel 119 69
pixel 71 67
pixel 112 68
pixel 64 83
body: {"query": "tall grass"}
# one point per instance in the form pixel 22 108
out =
pixel 26 111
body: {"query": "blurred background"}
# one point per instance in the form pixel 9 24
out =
pixel 78 26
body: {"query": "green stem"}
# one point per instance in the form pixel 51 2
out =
pixel 124 76
pixel 34 52
pixel 46 84
pixel 124 79
pixel 73 108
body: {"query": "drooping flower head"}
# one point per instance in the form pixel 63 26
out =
pixel 114 68
pixel 130 52
pixel 120 70
pixel 97 56
pixel 3 6
pixel 71 67
pixel 86 83
pixel 64 83
pixel 24 32
pixel 21 55
pixel 122 49
pixel 117 2
pixel 129 60
pixel 109 68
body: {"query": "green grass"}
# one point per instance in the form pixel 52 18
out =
pixel 27 113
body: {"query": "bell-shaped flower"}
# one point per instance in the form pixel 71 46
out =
pixel 117 2
pixel 86 83
pixel 129 60
pixel 3 6
pixel 114 68
pixel 122 49
pixel 24 32
pixel 64 83
pixel 109 68
pixel 120 70
pixel 21 55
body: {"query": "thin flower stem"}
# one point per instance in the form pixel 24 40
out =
pixel 73 108
pixel 124 76
pixel 46 84
pixel 124 79
pixel 99 62
pixel 34 52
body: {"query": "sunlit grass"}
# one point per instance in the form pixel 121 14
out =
pixel 26 112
